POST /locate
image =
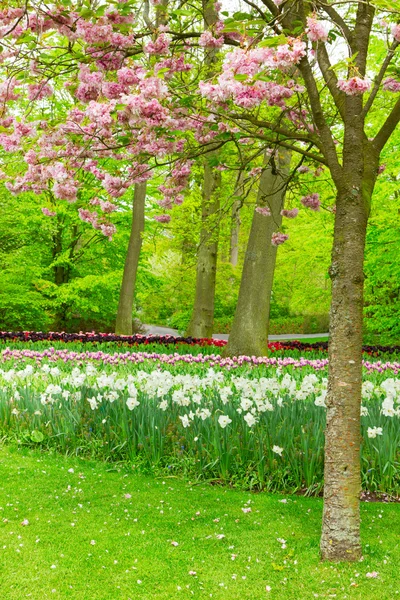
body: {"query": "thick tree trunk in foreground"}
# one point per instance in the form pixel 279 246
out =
pixel 250 324
pixel 201 324
pixel 341 519
pixel 123 325
pixel 340 540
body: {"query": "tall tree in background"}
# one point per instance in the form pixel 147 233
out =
pixel 250 324
pixel 235 221
pixel 201 323
pixel 123 323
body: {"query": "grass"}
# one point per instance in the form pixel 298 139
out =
pixel 55 557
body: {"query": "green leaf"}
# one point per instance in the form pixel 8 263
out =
pixel 37 436
pixel 277 40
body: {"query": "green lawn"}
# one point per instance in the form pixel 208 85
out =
pixel 88 540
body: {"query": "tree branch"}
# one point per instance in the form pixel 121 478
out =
pixel 379 78
pixel 274 128
pixel 340 22
pixel 387 128
pixel 328 146
pixel 330 78
pixel 362 32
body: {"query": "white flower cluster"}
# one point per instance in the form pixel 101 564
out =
pixel 203 397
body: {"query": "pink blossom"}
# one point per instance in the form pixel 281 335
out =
pixel 255 171
pixel 381 168
pixel 93 33
pixel 354 86
pixel 162 218
pixel 108 229
pixel 175 64
pixel 263 210
pixel 290 214
pixel 66 190
pixel 396 32
pixel 278 238
pixel 107 207
pixel 159 46
pixel 391 85
pixel 47 212
pixel 303 169
pixel 311 201
pixel 372 575
pixel 316 31
pixel 112 89
pixel 7 122
pixel 130 76
pixel 7 90
pixel 207 40
pixel 37 91
pixel 114 185
pixel 89 217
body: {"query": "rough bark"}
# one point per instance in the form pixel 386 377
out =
pixel 340 540
pixel 250 324
pixel 235 222
pixel 123 325
pixel 201 323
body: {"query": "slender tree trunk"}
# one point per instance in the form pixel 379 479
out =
pixel 123 324
pixel 201 324
pixel 59 270
pixel 235 222
pixel 250 324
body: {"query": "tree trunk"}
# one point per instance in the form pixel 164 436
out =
pixel 123 325
pixel 341 517
pixel 235 222
pixel 201 324
pixel 250 324
pixel 340 538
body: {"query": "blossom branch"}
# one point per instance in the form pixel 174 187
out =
pixel 379 77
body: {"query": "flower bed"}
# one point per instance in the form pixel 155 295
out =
pixel 259 424
pixel 170 340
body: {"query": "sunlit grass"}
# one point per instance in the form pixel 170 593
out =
pixel 87 539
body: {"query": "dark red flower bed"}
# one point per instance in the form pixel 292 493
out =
pixel 167 340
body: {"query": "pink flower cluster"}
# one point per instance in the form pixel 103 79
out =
pixel 162 218
pixel 391 85
pixel 159 46
pixel 354 86
pixel 249 63
pixel 48 213
pixel 278 238
pixel 316 31
pixel 37 91
pixel 396 32
pixel 263 210
pixel 290 214
pixel 311 201
pixel 175 184
pixel 115 186
pixel 207 40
